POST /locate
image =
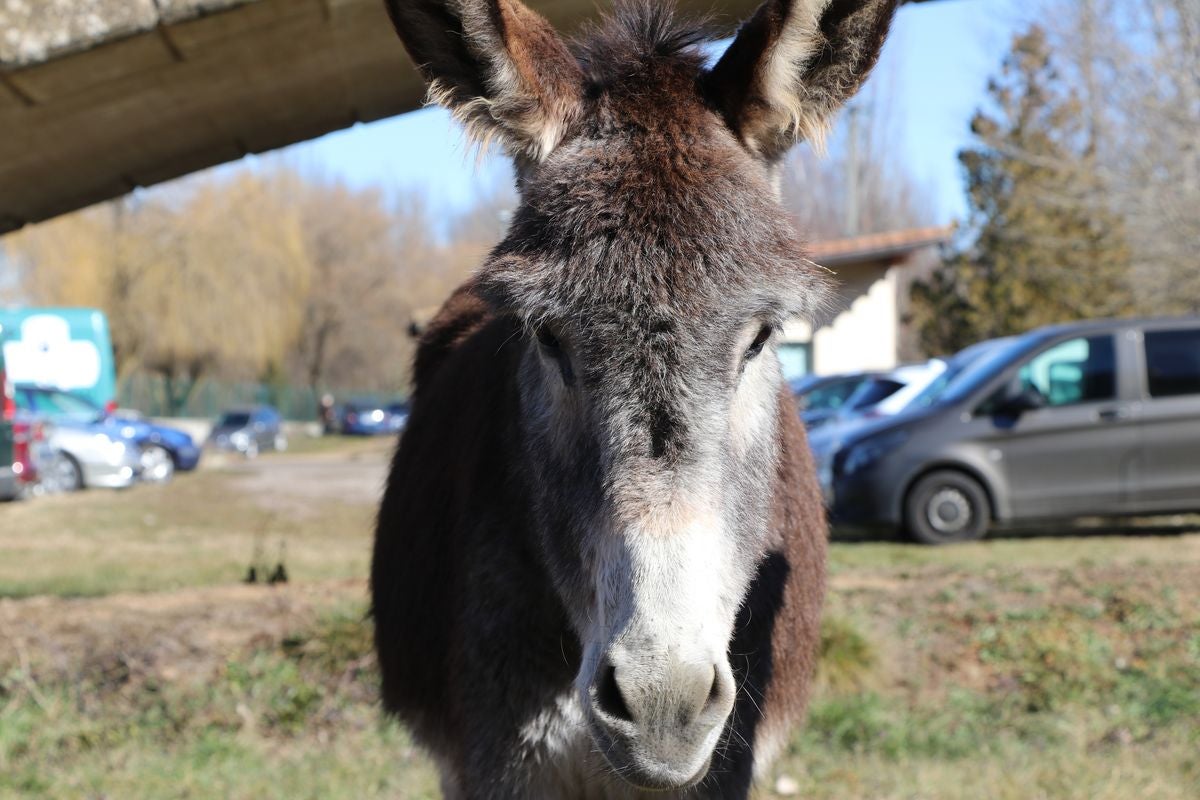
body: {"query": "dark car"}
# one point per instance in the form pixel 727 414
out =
pixel 249 431
pixel 869 394
pixel 367 418
pixel 1094 418
pixel 163 449
pixel 397 416
pixel 823 397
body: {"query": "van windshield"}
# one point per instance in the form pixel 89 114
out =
pixel 970 368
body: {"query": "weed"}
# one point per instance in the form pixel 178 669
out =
pixel 846 657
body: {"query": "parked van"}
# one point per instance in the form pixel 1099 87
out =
pixel 62 348
pixel 1096 418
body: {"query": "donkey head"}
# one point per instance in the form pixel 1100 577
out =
pixel 651 265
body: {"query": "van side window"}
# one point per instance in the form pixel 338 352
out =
pixel 1173 362
pixel 1075 371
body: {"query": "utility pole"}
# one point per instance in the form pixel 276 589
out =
pixel 851 211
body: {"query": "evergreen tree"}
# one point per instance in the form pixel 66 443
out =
pixel 1041 244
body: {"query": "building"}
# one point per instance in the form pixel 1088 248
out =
pixel 864 326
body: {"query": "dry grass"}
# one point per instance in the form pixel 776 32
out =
pixel 206 528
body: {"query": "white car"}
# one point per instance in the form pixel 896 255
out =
pixel 916 378
pixel 76 457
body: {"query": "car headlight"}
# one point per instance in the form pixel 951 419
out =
pixel 864 454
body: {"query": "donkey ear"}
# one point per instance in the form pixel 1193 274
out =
pixel 499 67
pixel 793 64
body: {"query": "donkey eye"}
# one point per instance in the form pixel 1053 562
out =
pixel 548 340
pixel 552 347
pixel 760 341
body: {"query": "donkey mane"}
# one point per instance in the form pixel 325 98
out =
pixel 636 34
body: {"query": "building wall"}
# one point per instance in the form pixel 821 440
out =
pixel 919 266
pixel 862 327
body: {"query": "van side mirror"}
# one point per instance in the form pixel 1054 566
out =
pixel 1016 404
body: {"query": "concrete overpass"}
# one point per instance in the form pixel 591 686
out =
pixel 99 97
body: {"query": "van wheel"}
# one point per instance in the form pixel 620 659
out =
pixel 947 506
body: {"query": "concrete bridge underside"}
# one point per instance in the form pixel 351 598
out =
pixel 99 97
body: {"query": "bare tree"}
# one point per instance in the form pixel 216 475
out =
pixel 271 274
pixel 1136 66
pixel 356 250
pixel 859 186
pixel 467 236
pixel 198 279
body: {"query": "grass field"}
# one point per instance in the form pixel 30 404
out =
pixel 134 664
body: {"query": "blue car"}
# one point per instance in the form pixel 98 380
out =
pixel 369 418
pixel 163 450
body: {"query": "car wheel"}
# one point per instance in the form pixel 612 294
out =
pixel 157 464
pixel 947 506
pixel 251 450
pixel 62 474
pixel 280 442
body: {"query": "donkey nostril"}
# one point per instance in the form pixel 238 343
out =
pixel 716 691
pixel 609 698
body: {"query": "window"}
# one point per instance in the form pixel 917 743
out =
pixel 832 395
pixel 873 392
pixel 1074 371
pixel 1173 362
pixel 795 359
pixel 49 401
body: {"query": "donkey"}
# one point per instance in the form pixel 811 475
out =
pixel 599 563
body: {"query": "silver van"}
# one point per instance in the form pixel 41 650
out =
pixel 1098 418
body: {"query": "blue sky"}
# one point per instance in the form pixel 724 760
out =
pixel 934 70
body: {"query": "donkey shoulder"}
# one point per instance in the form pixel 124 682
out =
pixel 463 314
pixel 455 439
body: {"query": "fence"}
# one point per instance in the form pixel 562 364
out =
pixel 148 394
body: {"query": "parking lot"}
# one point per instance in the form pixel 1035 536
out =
pixel 135 661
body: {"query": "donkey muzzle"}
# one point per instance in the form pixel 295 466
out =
pixel 657 720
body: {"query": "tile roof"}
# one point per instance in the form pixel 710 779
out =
pixel 878 246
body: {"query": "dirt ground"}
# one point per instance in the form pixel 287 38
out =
pixel 168 636
pixel 297 484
